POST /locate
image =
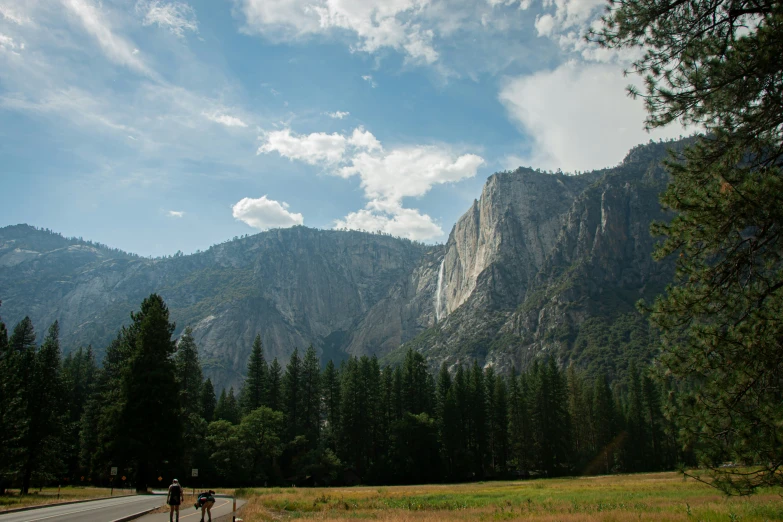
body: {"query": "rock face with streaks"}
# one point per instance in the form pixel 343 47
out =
pixel 533 258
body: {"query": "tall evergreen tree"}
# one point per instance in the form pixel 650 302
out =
pixel 717 65
pixel 208 400
pixel 311 396
pixel 331 393
pixel 12 408
pixel 254 392
pixel 151 415
pixel 79 380
pixel 44 416
pixel 275 397
pixel 189 374
pixel 292 397
pixel 190 381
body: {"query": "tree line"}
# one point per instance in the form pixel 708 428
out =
pixel 148 411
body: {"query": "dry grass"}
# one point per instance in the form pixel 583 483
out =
pixel 659 496
pixel 12 499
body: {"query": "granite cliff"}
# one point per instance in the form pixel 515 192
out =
pixel 534 262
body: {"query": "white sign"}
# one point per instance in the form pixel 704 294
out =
pixel 194 472
pixel 113 472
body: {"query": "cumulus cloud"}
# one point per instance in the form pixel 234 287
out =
pixel 386 176
pixel 264 213
pixel 225 119
pixel 175 213
pixel 338 115
pixel 578 116
pixel 402 222
pixel 376 24
pixel 313 149
pixel 545 24
pixel 177 17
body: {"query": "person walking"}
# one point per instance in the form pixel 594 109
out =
pixel 205 501
pixel 174 499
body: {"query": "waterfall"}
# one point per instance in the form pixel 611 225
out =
pixel 439 289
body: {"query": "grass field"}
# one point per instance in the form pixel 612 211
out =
pixel 12 499
pixel 658 496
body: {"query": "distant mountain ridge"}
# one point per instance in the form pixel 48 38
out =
pixel 535 257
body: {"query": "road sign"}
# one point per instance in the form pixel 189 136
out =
pixel 82 478
pixel 123 477
pixel 113 472
pixel 160 478
pixel 194 472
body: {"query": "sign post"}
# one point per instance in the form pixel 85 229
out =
pixel 113 474
pixel 194 474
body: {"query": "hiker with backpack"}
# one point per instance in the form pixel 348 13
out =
pixel 174 499
pixel 205 501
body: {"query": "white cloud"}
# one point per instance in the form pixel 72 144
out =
pixel 225 119
pixel 9 44
pixel 177 17
pixel 264 213
pixel 578 116
pixel 175 213
pixel 376 24
pixel 313 149
pixel 545 24
pixel 115 47
pixel 338 115
pixel 368 78
pixel 402 222
pixel 387 176
pixel 13 16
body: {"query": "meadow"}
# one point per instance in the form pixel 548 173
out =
pixel 656 496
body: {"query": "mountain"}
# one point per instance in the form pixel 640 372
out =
pixel 540 263
pixel 548 263
pixel 295 286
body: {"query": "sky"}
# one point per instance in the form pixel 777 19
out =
pixel 158 126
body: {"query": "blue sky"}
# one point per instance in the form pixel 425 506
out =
pixel 164 125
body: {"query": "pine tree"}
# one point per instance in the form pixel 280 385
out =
pixel 12 409
pixel 190 381
pixel 79 380
pixel 311 397
pixel 232 411
pixel 292 397
pixel 189 374
pixel 500 426
pixel 151 414
pixel 44 416
pixel 603 423
pixel 275 397
pixel 254 392
pixel 637 431
pixel 208 400
pixel 331 389
pixel 717 65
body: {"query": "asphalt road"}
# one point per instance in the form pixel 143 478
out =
pixel 187 513
pixel 94 511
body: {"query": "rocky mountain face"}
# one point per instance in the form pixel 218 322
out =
pixel 540 255
pixel 535 258
pixel 295 287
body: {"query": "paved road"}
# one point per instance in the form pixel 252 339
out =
pixel 188 513
pixel 95 511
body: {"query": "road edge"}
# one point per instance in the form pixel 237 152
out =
pixel 54 504
pixel 135 515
